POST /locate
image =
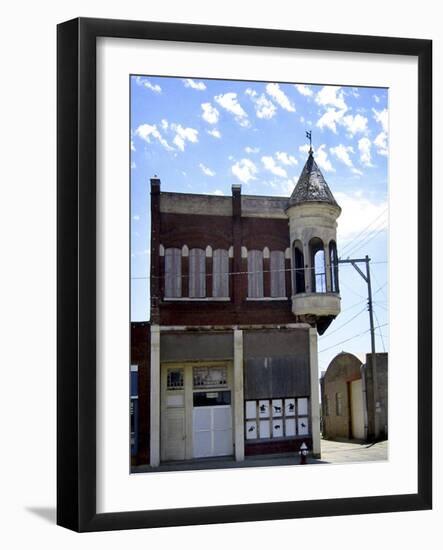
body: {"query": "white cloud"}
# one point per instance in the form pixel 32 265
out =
pixel 331 96
pixel 183 135
pixel 382 118
pixel 304 90
pixel 217 192
pixel 252 149
pixel 376 98
pixel 133 165
pixel 132 145
pixel 214 133
pixel 264 108
pixel 189 83
pixel 342 153
pixel 304 148
pixel 321 158
pixel 244 170
pixel 358 212
pixel 364 146
pixel 355 124
pixel 280 97
pixel 148 131
pixel 165 124
pixel 270 165
pixel 210 113
pixel 330 119
pixel 147 84
pixel 136 217
pixel 286 159
pixel 282 187
pixel 179 142
pixel 381 144
pixel 230 102
pixel 206 171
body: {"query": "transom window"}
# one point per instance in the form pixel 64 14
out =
pixel 175 379
pixel 209 377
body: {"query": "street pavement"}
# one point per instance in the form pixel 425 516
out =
pixel 332 452
pixel 339 452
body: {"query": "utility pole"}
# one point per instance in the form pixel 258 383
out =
pixel 367 278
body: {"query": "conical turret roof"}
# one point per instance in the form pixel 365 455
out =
pixel 311 185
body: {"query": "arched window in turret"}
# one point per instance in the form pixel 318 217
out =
pixel 318 265
pixel 333 263
pixel 298 277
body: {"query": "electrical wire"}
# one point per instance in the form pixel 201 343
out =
pixel 351 338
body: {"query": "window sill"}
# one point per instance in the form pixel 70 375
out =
pixel 268 299
pixel 209 299
pixel 274 439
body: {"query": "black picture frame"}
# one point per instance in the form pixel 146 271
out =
pixel 76 280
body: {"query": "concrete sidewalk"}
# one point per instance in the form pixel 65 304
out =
pixel 339 452
pixel 332 452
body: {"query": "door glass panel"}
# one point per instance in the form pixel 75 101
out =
pixel 212 398
pixel 222 418
pixel 202 419
pixel 222 442
pixel 202 444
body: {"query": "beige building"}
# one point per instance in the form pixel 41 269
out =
pixel 349 408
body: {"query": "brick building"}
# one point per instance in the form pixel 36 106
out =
pixel 240 287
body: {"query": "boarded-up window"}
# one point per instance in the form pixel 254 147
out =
pixel 255 274
pixel 197 273
pixel 220 278
pixel 173 273
pixel 338 404
pixel 277 267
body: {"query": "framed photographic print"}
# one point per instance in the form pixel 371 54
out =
pixel 244 274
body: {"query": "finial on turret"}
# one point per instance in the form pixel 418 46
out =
pixel 309 136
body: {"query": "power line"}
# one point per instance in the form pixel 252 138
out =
pixel 344 324
pixel 364 230
pixel 366 240
pixel 379 331
pixel 351 338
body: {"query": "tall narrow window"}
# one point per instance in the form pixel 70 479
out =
pixel 255 274
pixel 299 268
pixel 333 261
pixel 220 277
pixel 197 273
pixel 134 409
pixel 339 404
pixel 277 266
pixel 173 273
pixel 318 266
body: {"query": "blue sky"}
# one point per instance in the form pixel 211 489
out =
pixel 201 136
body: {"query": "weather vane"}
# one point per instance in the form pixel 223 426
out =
pixel 309 136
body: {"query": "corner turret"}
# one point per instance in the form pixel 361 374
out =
pixel 313 213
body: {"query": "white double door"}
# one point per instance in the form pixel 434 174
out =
pixel 212 431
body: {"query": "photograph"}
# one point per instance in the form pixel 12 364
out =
pixel 259 217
